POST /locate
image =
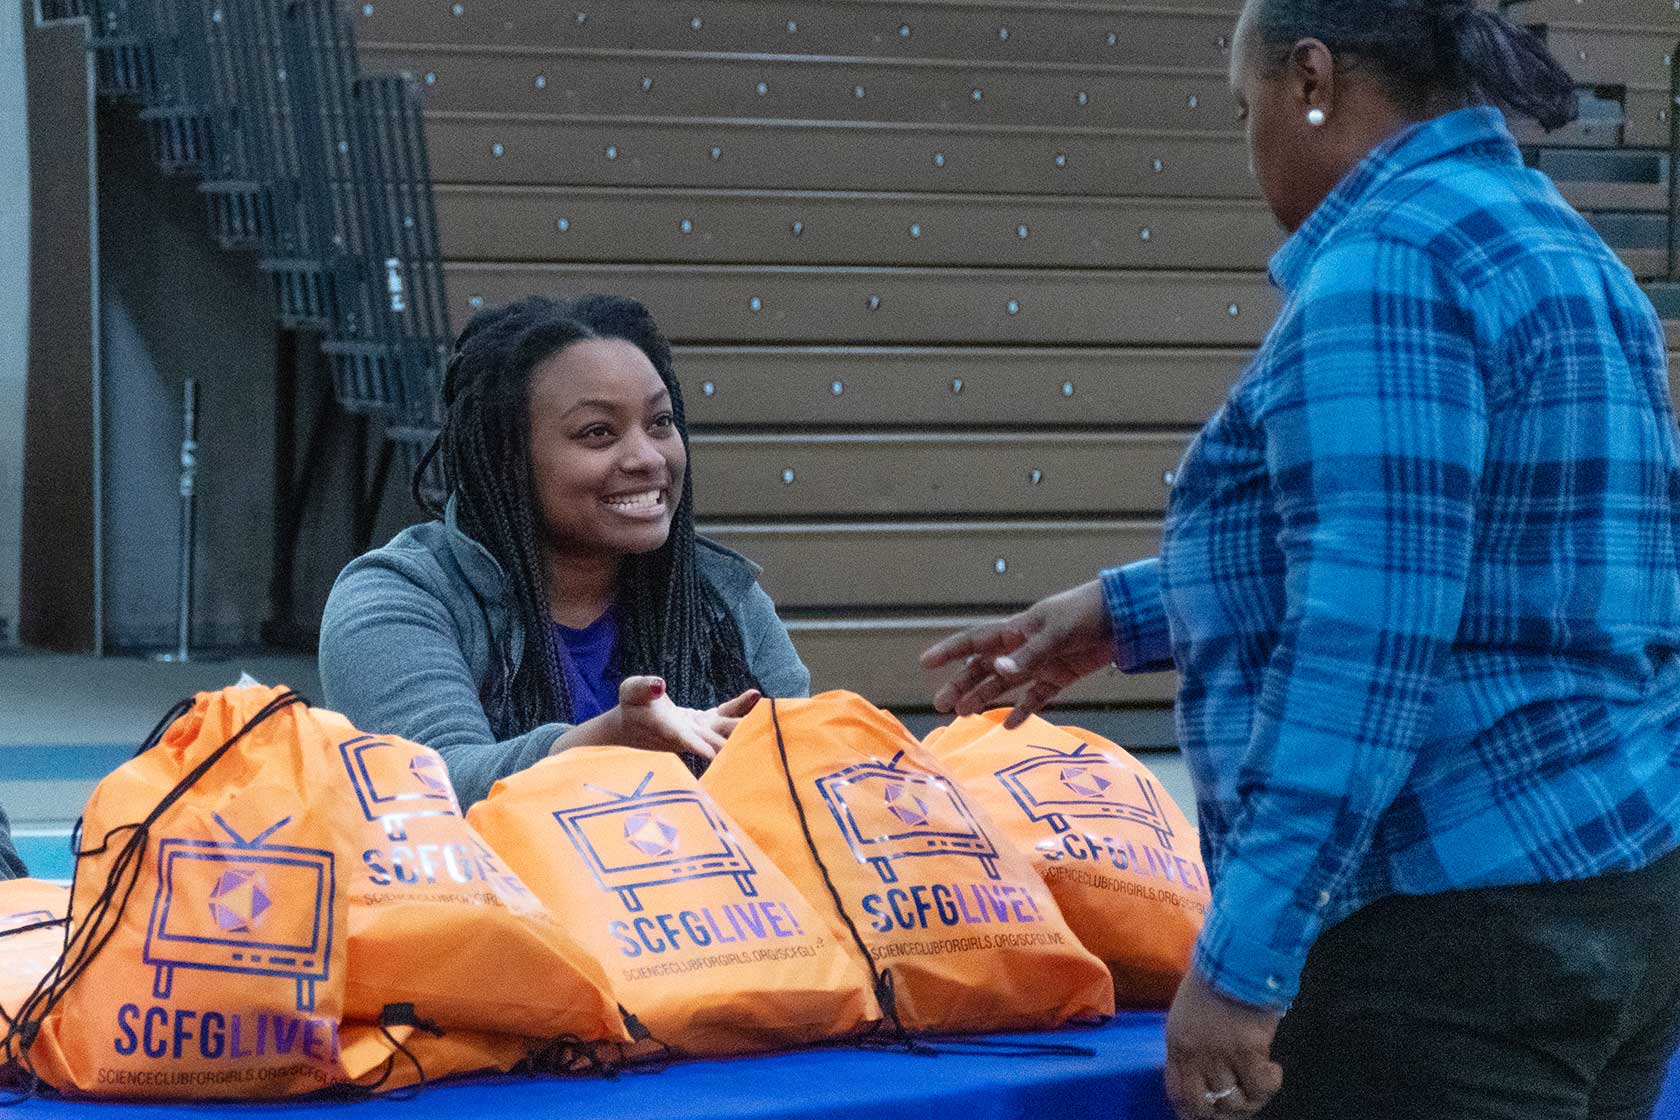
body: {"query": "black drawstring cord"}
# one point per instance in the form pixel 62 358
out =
pixel 881 978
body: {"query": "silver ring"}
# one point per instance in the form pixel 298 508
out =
pixel 1213 1096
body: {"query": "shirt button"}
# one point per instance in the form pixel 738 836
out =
pixel 1323 898
pixel 1273 983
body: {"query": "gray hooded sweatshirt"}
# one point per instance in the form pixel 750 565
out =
pixel 410 631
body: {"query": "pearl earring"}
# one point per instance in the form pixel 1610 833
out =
pixel 1316 117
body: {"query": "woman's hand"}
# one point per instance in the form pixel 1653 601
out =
pixel 1046 647
pixel 647 719
pixel 1219 1054
pixel 650 721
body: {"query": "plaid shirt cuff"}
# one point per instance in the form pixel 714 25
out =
pixel 1254 943
pixel 1142 643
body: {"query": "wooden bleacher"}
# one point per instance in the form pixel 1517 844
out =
pixel 952 282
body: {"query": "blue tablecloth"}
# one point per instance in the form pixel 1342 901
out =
pixel 1123 1082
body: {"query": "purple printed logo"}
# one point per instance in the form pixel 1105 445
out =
pixel 397 782
pixel 239 900
pixel 1082 784
pixel 650 838
pixel 887 813
pixel 650 835
pixel 1084 781
pixel 246 907
pixel 429 772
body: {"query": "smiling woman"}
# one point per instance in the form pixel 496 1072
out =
pixel 560 597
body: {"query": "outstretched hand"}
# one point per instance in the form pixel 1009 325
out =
pixel 1047 647
pixel 650 720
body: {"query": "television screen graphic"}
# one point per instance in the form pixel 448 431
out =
pixel 1083 784
pixel 247 907
pixel 650 838
pixel 887 813
pixel 395 783
pixel 26 918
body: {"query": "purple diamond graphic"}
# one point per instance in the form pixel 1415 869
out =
pixel 428 771
pixel 239 900
pixel 1085 783
pixel 905 805
pixel 650 835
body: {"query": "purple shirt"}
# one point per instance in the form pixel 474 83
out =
pixel 586 657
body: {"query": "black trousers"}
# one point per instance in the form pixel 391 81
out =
pixel 1556 1001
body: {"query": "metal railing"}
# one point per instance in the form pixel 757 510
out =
pixel 323 172
pixel 321 169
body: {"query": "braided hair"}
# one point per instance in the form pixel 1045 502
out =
pixel 1424 48
pixel 673 623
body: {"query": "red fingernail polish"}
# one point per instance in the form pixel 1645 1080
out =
pixel 657 689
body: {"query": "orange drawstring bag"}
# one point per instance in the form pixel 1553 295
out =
pixel 32 924
pixel 1116 851
pixel 703 936
pixel 430 902
pixel 208 954
pixel 960 932
pixel 206 951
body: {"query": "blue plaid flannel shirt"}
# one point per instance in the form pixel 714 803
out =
pixel 1419 572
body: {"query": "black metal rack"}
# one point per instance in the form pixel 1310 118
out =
pixel 323 171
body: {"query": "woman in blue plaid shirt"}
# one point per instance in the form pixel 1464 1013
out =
pixel 1421 578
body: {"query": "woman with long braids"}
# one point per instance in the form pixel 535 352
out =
pixel 1421 580
pixel 560 597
